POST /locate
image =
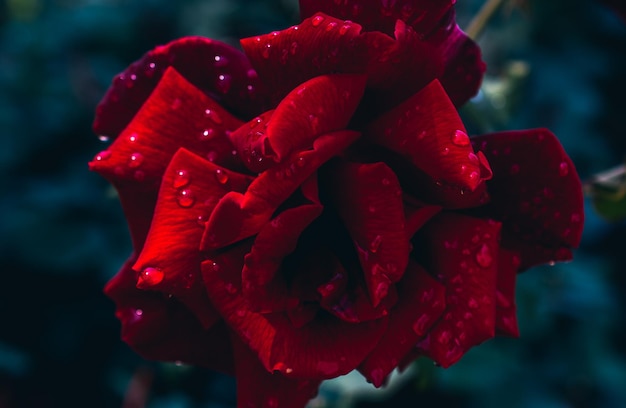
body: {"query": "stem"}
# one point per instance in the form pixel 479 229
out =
pixel 478 23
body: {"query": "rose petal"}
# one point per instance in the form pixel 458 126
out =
pixel 535 192
pixel 421 303
pixel 190 189
pixel 256 387
pixel 433 21
pixel 320 105
pixel 217 69
pixel 276 240
pixel 368 199
pixel 238 216
pixel 324 348
pixel 506 312
pixel 427 129
pixel 162 329
pixel 463 252
pixel 319 45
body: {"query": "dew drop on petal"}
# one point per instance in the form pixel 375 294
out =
pixel 420 324
pixel 472 303
pixel 104 139
pixel 150 277
pixel 344 29
pixel 375 244
pixel 445 151
pixel 132 137
pixel 223 83
pixel 317 20
pixel 135 160
pixel 139 312
pixel 460 138
pixel 202 220
pixel 484 257
pixel 103 155
pixel 265 53
pixel 331 26
pixel 221 176
pixel 186 198
pixel 444 337
pixel 213 116
pixel 563 169
pixel 181 179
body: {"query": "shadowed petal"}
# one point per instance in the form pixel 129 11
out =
pixel 463 253
pixel 535 192
pixel 217 69
pixel 506 312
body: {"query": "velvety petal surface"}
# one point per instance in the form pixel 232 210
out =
pixel 421 303
pixel 318 106
pixel 174 116
pixel 429 132
pixel 170 259
pixel 319 45
pixel 506 311
pixel 238 216
pixel 434 23
pixel 535 192
pixel 257 387
pixel 324 348
pixel 162 329
pixel 368 199
pixel 217 69
pixel 464 257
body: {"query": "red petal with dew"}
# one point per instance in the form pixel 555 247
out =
pixel 258 387
pixel 238 216
pixel 173 117
pixel 506 311
pixel 368 199
pixel 421 303
pixel 317 46
pixel 318 106
pixel 428 130
pixel 434 23
pixel 190 189
pixel 218 70
pixel 463 253
pixel 535 192
pixel 162 329
pixel 326 347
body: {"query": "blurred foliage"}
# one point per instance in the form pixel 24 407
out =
pixel 556 64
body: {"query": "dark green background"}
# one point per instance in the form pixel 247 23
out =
pixel 62 234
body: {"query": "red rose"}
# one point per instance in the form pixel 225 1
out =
pixel 325 210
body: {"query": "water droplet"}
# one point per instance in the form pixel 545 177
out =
pixel 483 256
pixel 186 198
pixel 375 244
pixel 176 104
pixel 317 20
pixel 150 277
pixel 221 176
pixel 213 116
pixel 473 159
pixel 314 121
pixel 104 139
pixel 460 138
pixel 514 169
pixel 181 179
pixel 381 290
pixel 444 337
pixel 563 169
pixel 139 312
pixel 331 26
pixel 265 53
pixel 135 160
pixel 445 151
pixel 344 29
pixel 207 134
pixel 202 220
pixel 103 155
pixel 132 137
pixel 220 61
pixel 472 303
pixel 223 83
pixel 419 326
pixel 150 69
pixel 552 263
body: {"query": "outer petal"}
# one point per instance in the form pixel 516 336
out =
pixel 320 45
pixel 219 70
pixel 324 348
pixel 320 105
pixel 256 387
pixel 506 316
pixel 422 301
pixel 429 131
pixel 535 192
pixel 173 117
pixel 170 259
pixel 162 329
pixel 369 200
pixel 238 216
pixel 433 21
pixel 464 255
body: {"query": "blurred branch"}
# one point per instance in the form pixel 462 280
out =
pixel 480 20
pixel 608 193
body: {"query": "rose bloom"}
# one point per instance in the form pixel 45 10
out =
pixel 313 204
